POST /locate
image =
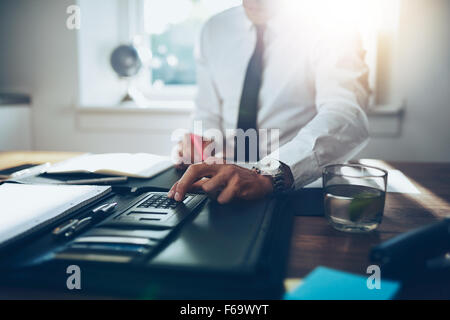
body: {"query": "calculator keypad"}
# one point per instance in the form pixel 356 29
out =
pixel 159 202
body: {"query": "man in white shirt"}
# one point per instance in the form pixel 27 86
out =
pixel 264 69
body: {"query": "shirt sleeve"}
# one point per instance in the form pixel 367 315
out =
pixel 207 103
pixel 340 128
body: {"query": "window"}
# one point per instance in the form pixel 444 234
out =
pixel 166 33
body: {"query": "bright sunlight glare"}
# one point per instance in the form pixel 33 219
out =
pixel 365 15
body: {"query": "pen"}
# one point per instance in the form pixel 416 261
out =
pixel 100 211
pixel 73 226
pixel 64 227
pixel 80 226
pixel 110 180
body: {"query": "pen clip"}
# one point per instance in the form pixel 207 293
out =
pixel 64 227
pixel 81 225
pixel 101 208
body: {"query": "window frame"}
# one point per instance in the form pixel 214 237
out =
pixel 185 94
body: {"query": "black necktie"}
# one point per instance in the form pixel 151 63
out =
pixel 248 108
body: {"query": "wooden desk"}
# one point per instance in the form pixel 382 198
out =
pixel 315 243
pixel 16 158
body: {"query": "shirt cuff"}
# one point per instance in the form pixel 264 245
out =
pixel 302 163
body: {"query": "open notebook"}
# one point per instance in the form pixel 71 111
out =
pixel 24 208
pixel 137 165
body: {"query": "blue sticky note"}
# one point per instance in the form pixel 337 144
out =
pixel 328 284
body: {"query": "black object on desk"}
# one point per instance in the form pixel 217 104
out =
pixel 232 251
pixel 11 170
pixel 98 181
pixel 420 251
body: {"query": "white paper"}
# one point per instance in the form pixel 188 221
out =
pixel 139 165
pixel 23 207
pixel 397 183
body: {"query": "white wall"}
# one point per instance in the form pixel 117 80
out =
pixel 15 127
pixel 423 67
pixel 39 56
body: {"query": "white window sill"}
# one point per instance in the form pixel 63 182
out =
pixel 394 109
pixel 178 107
pixel 166 116
pixel 187 106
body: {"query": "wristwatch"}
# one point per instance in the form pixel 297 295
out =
pixel 277 171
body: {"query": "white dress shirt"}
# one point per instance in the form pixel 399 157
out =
pixel 314 88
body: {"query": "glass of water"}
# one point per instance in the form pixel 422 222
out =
pixel 354 196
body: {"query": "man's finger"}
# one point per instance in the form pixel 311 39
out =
pixel 197 186
pixel 229 192
pixel 192 174
pixel 215 184
pixel 171 192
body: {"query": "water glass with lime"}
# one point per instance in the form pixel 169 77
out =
pixel 354 196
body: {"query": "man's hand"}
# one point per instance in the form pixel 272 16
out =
pixel 222 181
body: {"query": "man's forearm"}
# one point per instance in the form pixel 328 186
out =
pixel 330 137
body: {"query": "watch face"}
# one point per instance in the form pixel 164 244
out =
pixel 269 166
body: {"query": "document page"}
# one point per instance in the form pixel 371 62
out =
pixel 24 207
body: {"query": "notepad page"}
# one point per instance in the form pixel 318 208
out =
pixel 24 207
pixel 140 165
